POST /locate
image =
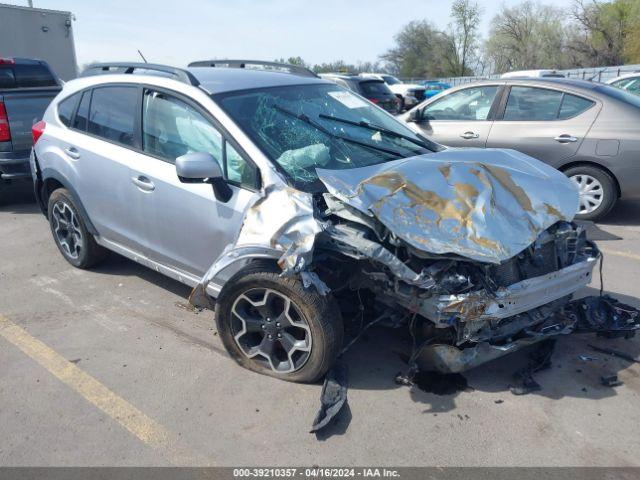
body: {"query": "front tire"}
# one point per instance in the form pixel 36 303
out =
pixel 598 191
pixel 70 233
pixel 274 326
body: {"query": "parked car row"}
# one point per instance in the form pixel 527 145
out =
pixel 309 209
pixel 588 130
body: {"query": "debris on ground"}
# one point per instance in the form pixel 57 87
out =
pixel 433 382
pixel 498 401
pixel 616 353
pixel 539 359
pixel 333 396
pixel 610 381
pixel 189 307
pixel 587 358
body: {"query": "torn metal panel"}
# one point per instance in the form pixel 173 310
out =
pixel 601 314
pixel 312 278
pixel 512 300
pixel 486 205
pixel 283 219
pixel 279 225
pixel 352 240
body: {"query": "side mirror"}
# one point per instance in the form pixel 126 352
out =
pixel 202 167
pixel 415 115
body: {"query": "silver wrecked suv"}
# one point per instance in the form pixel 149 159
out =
pixel 307 214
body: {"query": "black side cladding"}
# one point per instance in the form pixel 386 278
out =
pixel 333 397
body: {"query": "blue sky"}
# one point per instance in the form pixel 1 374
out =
pixel 180 31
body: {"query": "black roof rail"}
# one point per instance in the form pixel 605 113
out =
pixel 130 67
pixel 286 67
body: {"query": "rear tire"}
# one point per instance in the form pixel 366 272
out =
pixel 70 233
pixel 598 191
pixel 274 326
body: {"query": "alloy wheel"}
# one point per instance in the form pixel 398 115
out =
pixel 66 228
pixel 591 192
pixel 269 328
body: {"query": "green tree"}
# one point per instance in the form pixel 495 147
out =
pixel 464 37
pixel 606 32
pixel 419 52
pixel 527 36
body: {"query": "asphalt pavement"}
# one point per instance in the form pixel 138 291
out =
pixel 110 367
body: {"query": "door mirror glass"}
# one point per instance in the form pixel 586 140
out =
pixel 197 166
pixel 415 115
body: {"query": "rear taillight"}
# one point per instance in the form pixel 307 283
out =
pixel 5 133
pixel 7 61
pixel 37 130
pixel 374 100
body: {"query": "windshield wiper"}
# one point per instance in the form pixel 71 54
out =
pixel 304 118
pixel 377 128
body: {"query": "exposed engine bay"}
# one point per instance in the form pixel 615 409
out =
pixel 473 250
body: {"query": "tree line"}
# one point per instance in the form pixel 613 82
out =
pixel 529 35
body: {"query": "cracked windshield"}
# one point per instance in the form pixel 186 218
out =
pixel 305 127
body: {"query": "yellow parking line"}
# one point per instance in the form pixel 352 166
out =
pixel 619 253
pixel 140 425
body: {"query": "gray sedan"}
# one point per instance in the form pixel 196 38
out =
pixel 589 131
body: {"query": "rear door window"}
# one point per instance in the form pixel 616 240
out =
pixel 113 112
pixel 541 104
pixel 29 76
pixel 374 88
pixel 532 104
pixel 573 105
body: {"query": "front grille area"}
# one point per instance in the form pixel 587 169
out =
pixel 563 245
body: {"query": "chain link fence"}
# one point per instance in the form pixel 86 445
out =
pixel 597 74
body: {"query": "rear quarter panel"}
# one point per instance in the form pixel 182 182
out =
pixel 614 143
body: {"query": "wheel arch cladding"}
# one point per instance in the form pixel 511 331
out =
pixel 51 181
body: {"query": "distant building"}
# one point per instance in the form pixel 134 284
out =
pixel 41 34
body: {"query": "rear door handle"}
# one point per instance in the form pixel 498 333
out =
pixel 469 135
pixel 143 183
pixel 564 138
pixel 72 152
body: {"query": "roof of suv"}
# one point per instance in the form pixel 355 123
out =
pixel 219 80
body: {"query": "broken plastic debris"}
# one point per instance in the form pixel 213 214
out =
pixel 610 381
pixel 587 358
pixel 333 396
pixel 312 278
pixel 616 353
pixel 540 359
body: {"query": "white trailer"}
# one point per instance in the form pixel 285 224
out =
pixel 40 34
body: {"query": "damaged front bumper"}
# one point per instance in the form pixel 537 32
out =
pixel 602 315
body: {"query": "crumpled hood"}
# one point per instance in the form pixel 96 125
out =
pixel 483 204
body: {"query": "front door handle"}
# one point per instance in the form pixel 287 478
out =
pixel 564 138
pixel 143 183
pixel 469 135
pixel 72 152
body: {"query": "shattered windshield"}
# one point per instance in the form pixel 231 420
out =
pixel 305 127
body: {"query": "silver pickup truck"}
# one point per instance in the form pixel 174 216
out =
pixel 26 88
